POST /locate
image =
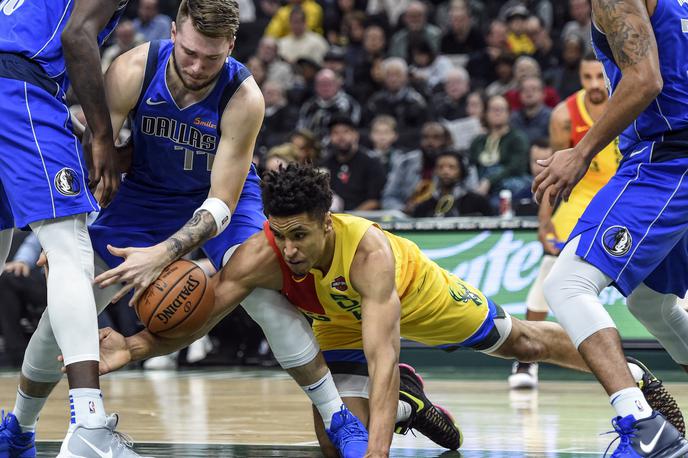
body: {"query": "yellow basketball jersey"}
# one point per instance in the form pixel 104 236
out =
pixel 602 168
pixel 437 308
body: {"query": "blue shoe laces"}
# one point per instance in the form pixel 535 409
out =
pixel 623 435
pixel 351 427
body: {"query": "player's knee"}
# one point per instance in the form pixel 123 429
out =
pixel 529 349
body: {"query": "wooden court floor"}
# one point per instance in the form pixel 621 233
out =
pixel 262 413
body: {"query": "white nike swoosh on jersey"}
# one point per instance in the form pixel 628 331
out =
pixel 100 453
pixel 149 101
pixel 635 153
pixel 647 448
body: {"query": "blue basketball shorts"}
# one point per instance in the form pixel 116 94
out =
pixel 42 171
pixel 635 228
pixel 143 220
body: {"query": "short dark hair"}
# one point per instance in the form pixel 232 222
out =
pixel 297 189
pixel 590 56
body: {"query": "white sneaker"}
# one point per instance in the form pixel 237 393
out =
pixel 524 376
pixel 104 441
pixel 161 363
pixel 198 350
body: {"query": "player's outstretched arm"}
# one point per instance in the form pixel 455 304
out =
pixel 80 45
pixel 373 276
pixel 627 26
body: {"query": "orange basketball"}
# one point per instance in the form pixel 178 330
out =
pixel 179 302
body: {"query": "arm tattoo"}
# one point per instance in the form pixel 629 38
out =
pixel 196 231
pixel 628 33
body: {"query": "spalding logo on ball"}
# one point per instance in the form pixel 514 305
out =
pixel 178 303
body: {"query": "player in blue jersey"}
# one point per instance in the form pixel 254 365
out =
pixel 633 235
pixel 195 116
pixel 44 185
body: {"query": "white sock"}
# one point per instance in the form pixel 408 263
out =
pixel 630 401
pixel 636 372
pixel 27 409
pixel 404 411
pixel 86 407
pixel 325 397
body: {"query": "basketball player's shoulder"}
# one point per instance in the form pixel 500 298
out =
pixel 134 60
pixel 127 71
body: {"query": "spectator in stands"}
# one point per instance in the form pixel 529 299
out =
pixel 545 54
pixel 336 60
pixel 447 196
pixel 501 154
pixel 353 27
pixel 359 78
pixel 523 202
pixel 280 117
pixel 304 81
pixel 427 70
pixel 337 20
pixel 581 23
pixel 329 101
pixel 276 68
pixel 150 23
pixel 416 28
pixel 450 103
pixel 504 69
pixel 564 76
pixel 517 39
pixel 257 69
pixel 413 169
pixel 542 9
pixel 301 42
pixel 307 146
pixel 399 100
pixel 482 64
pixel 21 285
pixel 462 36
pixel 387 12
pixel 357 177
pixel 280 156
pixel 280 25
pixel 527 67
pixel 383 136
pixel 533 118
pixel 475 105
pixel 126 38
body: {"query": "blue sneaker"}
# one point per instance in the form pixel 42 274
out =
pixel 13 442
pixel 348 434
pixel 652 437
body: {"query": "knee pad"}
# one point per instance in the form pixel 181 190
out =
pixel 40 358
pixel 288 332
pixel 664 318
pixel 572 291
pixel 535 301
pixel 71 304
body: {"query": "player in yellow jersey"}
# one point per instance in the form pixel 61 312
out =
pixel 570 121
pixel 364 288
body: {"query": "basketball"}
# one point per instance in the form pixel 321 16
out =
pixel 178 303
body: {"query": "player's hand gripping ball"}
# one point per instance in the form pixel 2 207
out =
pixel 178 303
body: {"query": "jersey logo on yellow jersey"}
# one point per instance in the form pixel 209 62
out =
pixel 464 295
pixel 339 283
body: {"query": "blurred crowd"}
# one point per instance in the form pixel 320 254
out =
pixel 432 108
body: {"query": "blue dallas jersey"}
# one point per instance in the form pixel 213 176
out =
pixel 32 28
pixel 174 149
pixel 667 113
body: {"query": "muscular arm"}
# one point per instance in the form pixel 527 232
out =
pixel 123 81
pixel 80 45
pixel 559 139
pixel 372 275
pixel 240 124
pixel 253 265
pixel 627 26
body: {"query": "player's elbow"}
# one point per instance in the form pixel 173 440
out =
pixel 650 87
